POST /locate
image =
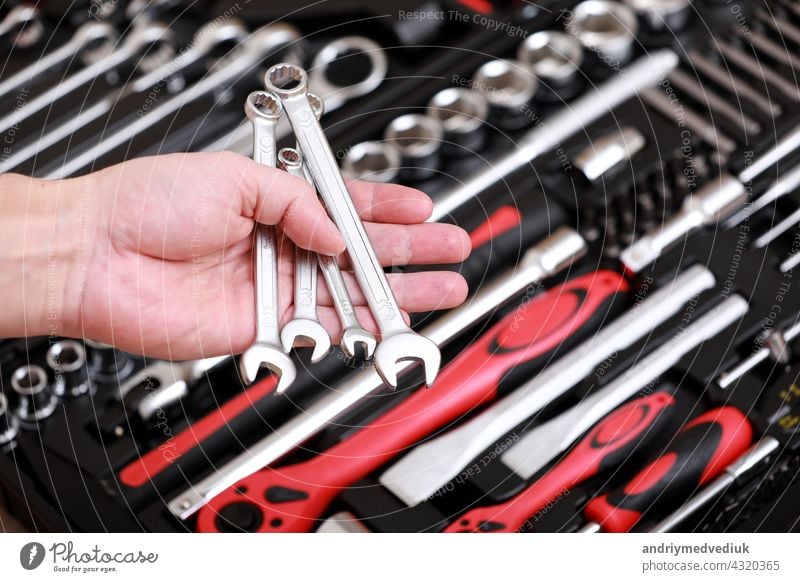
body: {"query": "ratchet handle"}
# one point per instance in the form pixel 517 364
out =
pixel 699 452
pixel 521 342
pixel 607 445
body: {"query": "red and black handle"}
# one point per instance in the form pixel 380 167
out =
pixel 503 237
pixel 607 445
pixel 701 450
pixel 292 498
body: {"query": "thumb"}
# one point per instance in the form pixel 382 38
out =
pixel 272 196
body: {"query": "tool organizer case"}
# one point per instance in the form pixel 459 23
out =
pixel 77 470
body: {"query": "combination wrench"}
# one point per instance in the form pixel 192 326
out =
pixel 132 47
pixel 398 341
pixel 263 111
pixel 304 322
pixel 352 332
pixel 26 21
pixel 205 41
pixel 254 49
pixel 87 34
pixel 335 95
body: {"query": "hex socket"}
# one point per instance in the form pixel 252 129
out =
pixel 375 161
pixel 509 87
pixel 418 139
pixel 660 16
pixel 34 399
pixel 555 58
pixel 106 363
pixel 67 359
pixel 605 28
pixel 9 425
pixel 463 114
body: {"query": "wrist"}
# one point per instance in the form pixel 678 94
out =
pixel 47 230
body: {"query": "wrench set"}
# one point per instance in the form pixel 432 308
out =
pixel 627 359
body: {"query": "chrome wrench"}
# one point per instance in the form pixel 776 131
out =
pixel 255 48
pixel 240 141
pixel 88 33
pixel 304 323
pixel 644 72
pixel 352 332
pixel 132 46
pixel 206 39
pixel 547 258
pixel 27 21
pixel 263 111
pixel 398 341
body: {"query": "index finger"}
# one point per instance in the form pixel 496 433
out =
pixel 392 203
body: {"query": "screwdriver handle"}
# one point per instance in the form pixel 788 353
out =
pixel 607 445
pixel 507 353
pixel 701 450
pixel 501 240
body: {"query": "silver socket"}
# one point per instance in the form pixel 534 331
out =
pixel 9 425
pixel 463 114
pixel 34 399
pixel 661 15
pixel 606 28
pixel 607 152
pixel 418 139
pixel 67 359
pixel 375 161
pixel 509 88
pixel 108 364
pixel 555 58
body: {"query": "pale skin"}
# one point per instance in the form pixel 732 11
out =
pixel 154 255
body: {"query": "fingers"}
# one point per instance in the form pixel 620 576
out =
pixel 272 196
pixel 414 292
pixel 389 202
pixel 418 244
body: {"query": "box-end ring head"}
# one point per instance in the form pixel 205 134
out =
pixel 289 158
pixel 317 105
pixel 286 80
pixel 262 105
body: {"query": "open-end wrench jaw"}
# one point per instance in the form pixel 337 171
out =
pixel 402 347
pixel 270 357
pixel 308 329
pixel 352 337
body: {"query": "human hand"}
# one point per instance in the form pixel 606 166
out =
pixel 167 271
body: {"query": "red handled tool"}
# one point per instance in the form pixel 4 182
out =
pixel 151 464
pixel 699 452
pixel 291 498
pixel 607 445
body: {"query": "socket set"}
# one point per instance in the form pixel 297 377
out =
pixel 627 359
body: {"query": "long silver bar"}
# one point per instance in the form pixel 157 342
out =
pixel 645 72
